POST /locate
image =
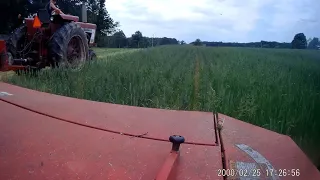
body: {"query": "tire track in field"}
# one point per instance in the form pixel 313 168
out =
pixel 196 79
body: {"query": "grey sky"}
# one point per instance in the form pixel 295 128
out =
pixel 218 20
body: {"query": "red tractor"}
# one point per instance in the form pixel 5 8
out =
pixel 58 40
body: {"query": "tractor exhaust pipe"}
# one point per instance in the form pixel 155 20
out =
pixel 84 13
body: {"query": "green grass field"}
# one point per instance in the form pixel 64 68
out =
pixel 275 89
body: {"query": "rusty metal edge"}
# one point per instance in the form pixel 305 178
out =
pixel 224 158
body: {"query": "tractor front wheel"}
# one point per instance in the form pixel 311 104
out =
pixel 68 47
pixel 92 55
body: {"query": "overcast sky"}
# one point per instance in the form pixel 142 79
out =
pixel 218 20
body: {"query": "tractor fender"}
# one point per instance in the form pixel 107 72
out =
pixel 69 17
pixel 90 30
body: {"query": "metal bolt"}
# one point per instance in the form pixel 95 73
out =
pixel 176 141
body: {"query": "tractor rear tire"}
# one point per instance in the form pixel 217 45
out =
pixel 68 47
pixel 13 43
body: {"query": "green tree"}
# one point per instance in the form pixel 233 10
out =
pixel 299 41
pixel 182 42
pixel 197 42
pixel 93 10
pixel 136 39
pixel 120 39
pixel 165 41
pixel 308 41
pixel 105 23
pixel 313 44
pixel 146 42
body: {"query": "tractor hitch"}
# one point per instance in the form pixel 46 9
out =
pixel 8 64
pixel 18 61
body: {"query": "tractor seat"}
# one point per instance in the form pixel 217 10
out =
pixel 44 16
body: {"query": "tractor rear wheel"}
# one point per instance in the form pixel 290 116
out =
pixel 68 47
pixel 15 43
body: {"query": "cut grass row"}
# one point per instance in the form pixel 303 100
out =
pixel 275 89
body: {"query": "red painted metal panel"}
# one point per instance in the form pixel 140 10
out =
pixel 196 127
pixel 263 145
pixel 83 136
pixel 2 46
pixel 3 56
pixel 34 146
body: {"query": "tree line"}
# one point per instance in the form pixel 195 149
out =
pixel 136 40
pixel 109 35
pixel 299 42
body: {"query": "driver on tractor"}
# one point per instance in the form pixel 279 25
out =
pixel 51 7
